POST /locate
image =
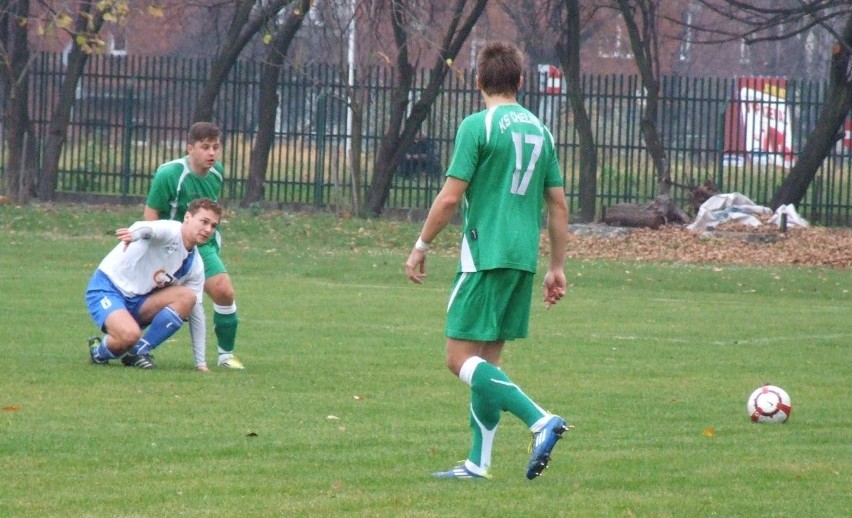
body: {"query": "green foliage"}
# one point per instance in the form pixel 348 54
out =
pixel 346 407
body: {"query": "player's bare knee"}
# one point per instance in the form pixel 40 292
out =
pixel 183 302
pixel 123 338
pixel 220 289
pixel 224 299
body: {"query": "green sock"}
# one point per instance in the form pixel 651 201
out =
pixel 483 430
pixel 225 327
pixel 493 391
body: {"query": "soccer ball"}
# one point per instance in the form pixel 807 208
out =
pixel 769 404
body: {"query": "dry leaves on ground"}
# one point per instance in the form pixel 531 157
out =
pixel 815 246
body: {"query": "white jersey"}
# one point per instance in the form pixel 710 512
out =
pixel 156 260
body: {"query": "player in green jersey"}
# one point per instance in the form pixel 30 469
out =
pixel 503 172
pixel 199 174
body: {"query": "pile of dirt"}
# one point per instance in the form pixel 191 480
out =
pixel 731 245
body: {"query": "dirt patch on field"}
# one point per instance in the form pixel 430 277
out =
pixel 818 246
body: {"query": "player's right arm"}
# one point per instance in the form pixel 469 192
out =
pixel 149 214
pixel 136 232
pixel 440 214
pixel 162 193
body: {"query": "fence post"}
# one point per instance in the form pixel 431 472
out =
pixel 128 140
pixel 319 129
pixel 720 149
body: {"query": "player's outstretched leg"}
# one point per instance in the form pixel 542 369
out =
pixel 544 439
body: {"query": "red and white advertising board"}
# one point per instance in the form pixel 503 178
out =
pixel 757 123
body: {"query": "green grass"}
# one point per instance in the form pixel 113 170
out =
pixel 346 407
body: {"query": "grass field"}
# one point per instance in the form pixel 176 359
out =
pixel 346 408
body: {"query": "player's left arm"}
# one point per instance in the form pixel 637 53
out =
pixel 197 319
pixel 557 230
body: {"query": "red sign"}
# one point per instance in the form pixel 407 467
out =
pixel 757 122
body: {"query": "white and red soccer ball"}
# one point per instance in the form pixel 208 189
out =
pixel 769 404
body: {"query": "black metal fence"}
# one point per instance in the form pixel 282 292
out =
pixel 132 113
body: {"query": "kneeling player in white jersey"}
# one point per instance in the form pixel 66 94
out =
pixel 151 280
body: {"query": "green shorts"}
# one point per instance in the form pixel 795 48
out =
pixel 490 305
pixel 209 251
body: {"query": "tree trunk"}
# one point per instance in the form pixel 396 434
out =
pixel 21 159
pixel 356 144
pixel 268 102
pixel 568 48
pixel 633 215
pixel 90 19
pixel 401 129
pixel 651 215
pixel 646 52
pixel 824 135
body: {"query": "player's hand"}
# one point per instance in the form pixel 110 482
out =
pixel 124 235
pixel 554 287
pixel 415 267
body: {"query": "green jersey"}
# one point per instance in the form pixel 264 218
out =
pixel 508 158
pixel 175 186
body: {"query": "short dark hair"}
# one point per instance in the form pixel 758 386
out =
pixel 206 204
pixel 203 131
pixel 499 68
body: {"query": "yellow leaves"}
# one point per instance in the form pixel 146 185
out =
pixel 156 11
pixel 89 43
pixel 267 38
pixel 63 21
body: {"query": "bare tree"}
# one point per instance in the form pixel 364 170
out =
pixel 568 15
pixel 17 19
pixel 401 128
pixel 249 17
pixel 268 99
pixel 14 89
pixel 84 40
pixel 641 18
